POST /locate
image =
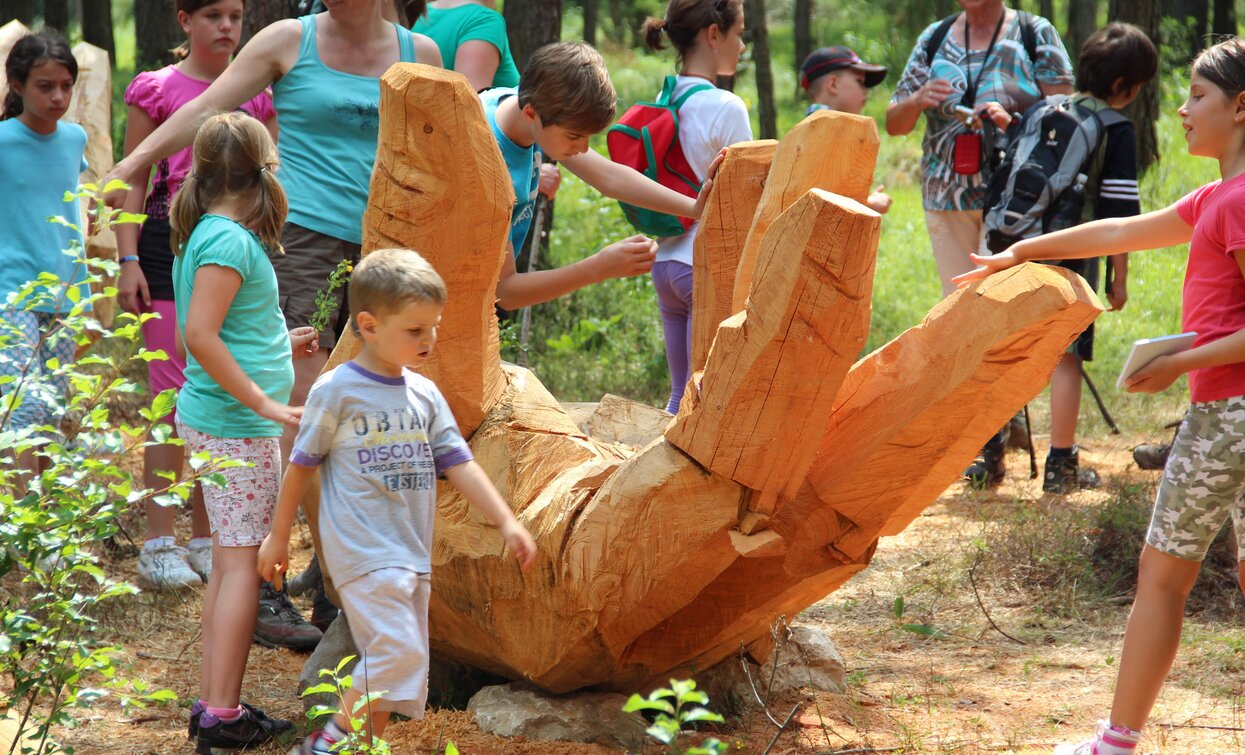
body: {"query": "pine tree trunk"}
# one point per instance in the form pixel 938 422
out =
pixel 803 36
pixel 260 13
pixel 617 19
pixel 530 25
pixel 97 27
pixel 754 11
pixel 1082 20
pixel 1046 9
pixel 22 10
pixel 591 9
pixel 1225 18
pixel 156 32
pixel 1144 111
pixel 56 15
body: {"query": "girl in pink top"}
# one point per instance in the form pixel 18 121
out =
pixel 213 28
pixel 1204 481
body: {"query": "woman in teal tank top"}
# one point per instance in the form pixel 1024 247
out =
pixel 472 38
pixel 325 74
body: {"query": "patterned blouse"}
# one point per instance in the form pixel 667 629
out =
pixel 1010 79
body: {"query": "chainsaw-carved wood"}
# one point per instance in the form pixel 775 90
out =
pixel 658 561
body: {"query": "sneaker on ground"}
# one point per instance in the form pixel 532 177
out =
pixel 1064 474
pixel 276 726
pixel 244 732
pixel 280 625
pixel 164 567
pixel 200 559
pixel 1152 455
pixel 318 743
pixel 1080 748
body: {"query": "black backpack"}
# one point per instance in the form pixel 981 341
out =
pixel 1040 185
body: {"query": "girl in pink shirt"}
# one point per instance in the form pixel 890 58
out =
pixel 1204 481
pixel 213 28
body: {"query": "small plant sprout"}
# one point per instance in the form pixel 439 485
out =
pixel 357 741
pixel 676 707
pixel 325 300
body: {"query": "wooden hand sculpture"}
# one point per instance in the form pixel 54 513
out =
pixel 785 463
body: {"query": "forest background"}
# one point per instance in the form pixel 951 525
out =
pixel 607 338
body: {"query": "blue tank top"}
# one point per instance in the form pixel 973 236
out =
pixel 329 123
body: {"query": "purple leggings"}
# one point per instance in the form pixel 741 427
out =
pixel 673 281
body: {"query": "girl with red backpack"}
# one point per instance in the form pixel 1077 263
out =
pixel 707 39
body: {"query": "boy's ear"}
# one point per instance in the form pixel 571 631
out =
pixel 365 322
pixel 530 113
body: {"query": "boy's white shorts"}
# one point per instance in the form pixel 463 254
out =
pixel 388 614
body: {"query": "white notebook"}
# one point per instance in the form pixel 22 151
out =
pixel 1148 349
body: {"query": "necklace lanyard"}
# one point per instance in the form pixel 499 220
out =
pixel 970 92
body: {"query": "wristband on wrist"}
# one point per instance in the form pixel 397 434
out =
pixel 128 258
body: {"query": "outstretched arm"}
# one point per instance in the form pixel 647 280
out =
pixel 1152 230
pixel 267 57
pixel 478 489
pixel 617 181
pixel 631 256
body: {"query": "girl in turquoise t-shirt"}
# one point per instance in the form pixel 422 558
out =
pixel 238 380
pixel 40 159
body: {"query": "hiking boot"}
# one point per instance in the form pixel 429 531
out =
pixel 164 567
pixel 1063 474
pixel 307 581
pixel 276 726
pixel 200 558
pixel 280 625
pixel 1152 455
pixel 323 612
pixel 245 732
pixel 987 470
pixel 1018 432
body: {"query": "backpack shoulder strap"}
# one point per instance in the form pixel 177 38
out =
pixel 1028 35
pixel 693 90
pixel 940 33
pixel 667 91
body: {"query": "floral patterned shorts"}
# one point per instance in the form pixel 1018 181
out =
pixel 240 513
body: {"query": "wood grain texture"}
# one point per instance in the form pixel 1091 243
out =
pixel 720 238
pixel 774 369
pixel 771 489
pixel 828 150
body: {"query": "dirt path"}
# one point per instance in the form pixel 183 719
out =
pixel 971 690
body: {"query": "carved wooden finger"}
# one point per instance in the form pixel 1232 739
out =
pixel 827 150
pixel 773 371
pixel 720 238
pixel 912 415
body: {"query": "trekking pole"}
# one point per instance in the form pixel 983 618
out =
pixel 1106 415
pixel 533 256
pixel 1032 454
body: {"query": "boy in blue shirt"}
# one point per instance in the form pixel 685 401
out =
pixel 564 97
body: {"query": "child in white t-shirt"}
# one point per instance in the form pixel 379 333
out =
pixel 381 434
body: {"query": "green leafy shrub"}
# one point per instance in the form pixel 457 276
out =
pixel 52 524
pixel 673 709
pixel 357 741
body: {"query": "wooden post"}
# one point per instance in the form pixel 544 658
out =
pixel 720 238
pixel 828 150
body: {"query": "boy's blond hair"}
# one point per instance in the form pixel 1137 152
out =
pixel 388 279
pixel 568 85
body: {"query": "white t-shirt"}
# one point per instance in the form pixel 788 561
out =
pixel 708 121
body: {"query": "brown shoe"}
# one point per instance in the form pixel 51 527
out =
pixel 280 625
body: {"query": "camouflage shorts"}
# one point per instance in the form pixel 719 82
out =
pixel 1203 483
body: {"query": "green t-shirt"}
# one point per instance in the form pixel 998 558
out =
pixel 253 329
pixel 451 27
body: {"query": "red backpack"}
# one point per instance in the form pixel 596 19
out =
pixel 646 138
